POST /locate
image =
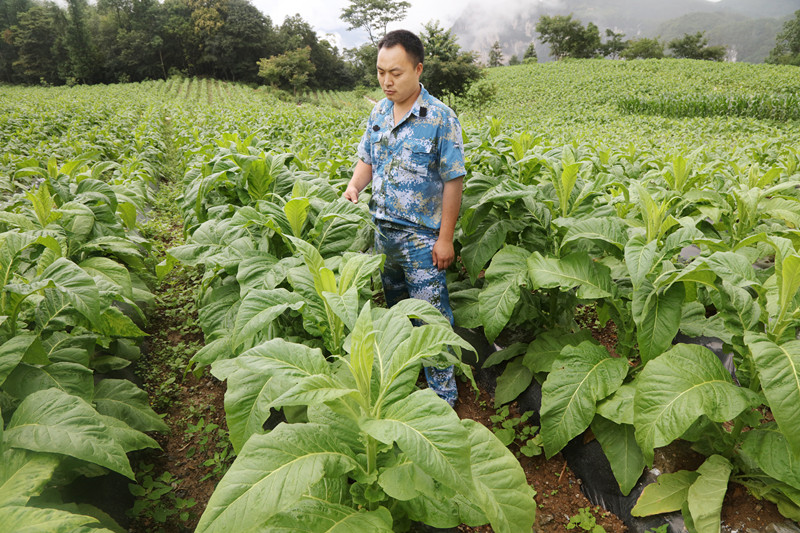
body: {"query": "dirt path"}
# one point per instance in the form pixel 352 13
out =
pixel 177 481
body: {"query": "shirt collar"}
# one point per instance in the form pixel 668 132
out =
pixel 420 102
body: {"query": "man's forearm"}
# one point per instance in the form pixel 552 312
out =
pixel 362 175
pixel 451 205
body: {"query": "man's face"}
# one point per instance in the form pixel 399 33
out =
pixel 398 76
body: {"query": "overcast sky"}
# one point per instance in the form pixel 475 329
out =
pixel 323 15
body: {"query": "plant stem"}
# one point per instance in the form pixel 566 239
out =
pixel 372 462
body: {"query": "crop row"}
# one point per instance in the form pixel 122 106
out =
pixel 71 308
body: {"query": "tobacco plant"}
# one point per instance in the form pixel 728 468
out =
pixel 376 452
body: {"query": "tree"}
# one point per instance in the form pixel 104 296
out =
pixel 363 60
pixel 696 47
pixel 9 16
pixel 787 44
pixel 643 48
pixel 481 94
pixel 568 37
pixel 38 38
pixel 330 69
pixel 530 54
pixel 448 72
pixel 496 55
pixel 373 15
pixel 292 68
pixel 614 44
pixel 514 60
pixel 83 56
pixel 246 35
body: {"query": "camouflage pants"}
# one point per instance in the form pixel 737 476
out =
pixel 409 272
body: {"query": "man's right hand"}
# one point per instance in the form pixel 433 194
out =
pixel 351 193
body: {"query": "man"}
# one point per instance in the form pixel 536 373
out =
pixel 412 153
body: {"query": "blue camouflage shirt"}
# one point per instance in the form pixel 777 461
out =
pixel 412 160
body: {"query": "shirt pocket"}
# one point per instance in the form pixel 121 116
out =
pixel 418 157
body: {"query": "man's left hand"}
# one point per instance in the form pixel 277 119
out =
pixel 443 254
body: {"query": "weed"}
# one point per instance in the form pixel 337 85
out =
pixel 585 520
pixel 515 430
pixel 157 499
pixel 206 437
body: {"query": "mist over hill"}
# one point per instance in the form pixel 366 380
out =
pixel 746 27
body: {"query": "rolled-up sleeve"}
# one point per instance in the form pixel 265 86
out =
pixel 451 150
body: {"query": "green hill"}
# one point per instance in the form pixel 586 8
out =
pixel 579 100
pixel 747 28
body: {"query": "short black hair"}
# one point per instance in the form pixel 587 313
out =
pixel 408 40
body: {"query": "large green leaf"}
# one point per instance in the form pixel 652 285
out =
pixel 581 376
pixel 419 310
pixel 667 494
pixel 362 352
pixel 605 230
pixel 319 516
pixel 257 377
pixel 737 308
pixel 77 285
pixel 53 312
pixel 619 406
pixel 288 360
pixel 253 272
pixel 619 444
pixel 732 267
pixel 35 520
pixel 344 306
pixel 504 277
pixel 503 491
pixel 423 341
pixel 314 390
pixel 483 245
pixel 128 438
pixel 496 303
pixel 114 323
pixel 405 481
pixel 546 347
pixel 429 432
pixel 506 354
pixel 707 492
pixel 678 387
pixel 14 350
pixel 271 474
pixel 778 367
pixel 340 426
pixel 788 273
pixel 24 475
pixel 62 347
pixel 770 450
pixel 357 269
pixel 53 421
pixel 296 211
pixel 71 378
pixel 123 400
pixel 640 258
pixel 108 270
pixel 515 379
pixel 247 400
pixel 337 224
pixel 593 280
pixel 659 324
pixel 259 308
